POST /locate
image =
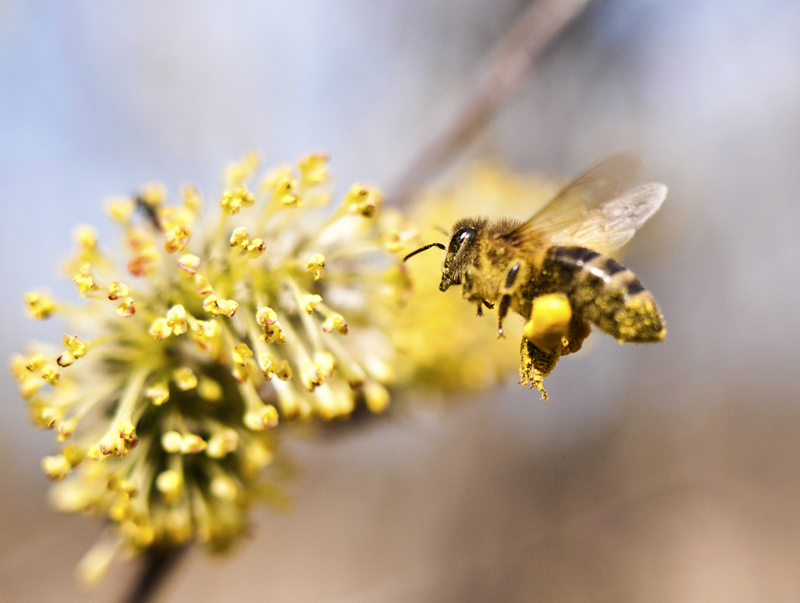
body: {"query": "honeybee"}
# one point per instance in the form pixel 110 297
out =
pixel 552 271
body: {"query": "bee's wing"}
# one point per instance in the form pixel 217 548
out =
pixel 610 226
pixel 576 215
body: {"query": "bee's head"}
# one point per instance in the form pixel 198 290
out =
pixel 462 251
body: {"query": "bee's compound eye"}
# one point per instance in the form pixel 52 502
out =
pixel 460 237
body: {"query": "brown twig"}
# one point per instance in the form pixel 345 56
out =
pixel 539 24
pixel 157 565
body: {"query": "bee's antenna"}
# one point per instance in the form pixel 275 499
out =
pixel 421 249
pixel 442 230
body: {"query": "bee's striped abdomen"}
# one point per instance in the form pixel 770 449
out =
pixel 603 292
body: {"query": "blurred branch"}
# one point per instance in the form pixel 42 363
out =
pixel 157 566
pixel 539 24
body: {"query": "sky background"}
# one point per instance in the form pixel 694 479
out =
pixel 663 473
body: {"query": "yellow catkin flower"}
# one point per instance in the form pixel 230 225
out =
pixel 162 407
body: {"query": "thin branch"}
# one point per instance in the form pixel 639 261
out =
pixel 539 24
pixel 156 567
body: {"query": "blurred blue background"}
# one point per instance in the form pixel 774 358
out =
pixel 663 473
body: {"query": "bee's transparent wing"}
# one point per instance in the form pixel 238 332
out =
pixel 610 226
pixel 607 180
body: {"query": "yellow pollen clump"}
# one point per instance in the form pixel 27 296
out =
pixel 549 321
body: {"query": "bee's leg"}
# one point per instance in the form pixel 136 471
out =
pixel 480 309
pixel 505 301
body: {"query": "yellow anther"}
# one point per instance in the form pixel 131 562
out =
pixel 283 371
pixel 153 193
pixel 189 264
pixel 215 306
pixel 376 397
pixel 127 308
pixel 85 281
pixel 256 248
pixel 241 354
pixel 325 363
pixel 239 237
pixel 223 487
pixel 278 180
pixel 310 376
pixel 66 429
pixel 273 334
pixel 184 378
pixel 117 290
pixel 85 236
pixel 315 264
pixel 176 319
pixel 65 359
pixel 50 374
pixel 119 440
pixel 308 302
pixel 222 443
pixel 192 444
pixel 39 306
pixel 363 200
pixel 257 455
pixel 160 329
pixel 35 363
pixel 266 362
pixel 170 484
pixel 176 238
pixel 120 208
pixel 237 172
pixel 314 168
pixel 171 441
pixel 191 198
pixel 549 321
pixel 202 285
pixel 56 467
pixel 266 316
pixel 158 393
pixel 335 322
pixel 233 201
pixel 210 390
pixel 263 418
pixel 75 345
